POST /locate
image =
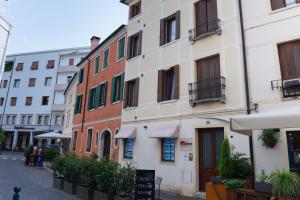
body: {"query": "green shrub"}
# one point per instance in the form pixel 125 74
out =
pixel 50 154
pixel 107 180
pixel 27 151
pixel 71 171
pixel 269 138
pixel 284 183
pixel 127 174
pixel 241 166
pixel 226 166
pixel 262 176
pixel 2 138
pixel 58 166
pixel 234 183
pixel 89 170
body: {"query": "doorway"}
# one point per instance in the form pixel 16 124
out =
pixel 293 144
pixel 105 145
pixel 209 141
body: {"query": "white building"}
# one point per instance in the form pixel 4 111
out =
pixel 28 90
pixel 5 28
pixel 184 80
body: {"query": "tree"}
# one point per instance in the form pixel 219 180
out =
pixel 226 166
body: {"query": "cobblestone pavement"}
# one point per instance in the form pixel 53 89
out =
pixel 36 183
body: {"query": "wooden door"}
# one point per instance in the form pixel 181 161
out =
pixel 209 141
pixel 106 148
pixel 208 78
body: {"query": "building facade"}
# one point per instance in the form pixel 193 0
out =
pixel 5 28
pixel 99 97
pixel 26 95
pixel 273 52
pixel 184 79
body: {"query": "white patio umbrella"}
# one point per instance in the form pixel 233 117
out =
pixel 54 135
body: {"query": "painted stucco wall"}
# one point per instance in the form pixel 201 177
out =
pixel 4 34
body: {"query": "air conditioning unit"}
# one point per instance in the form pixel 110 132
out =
pixel 291 83
pixel 291 88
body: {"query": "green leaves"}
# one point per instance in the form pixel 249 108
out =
pixel 234 184
pixel 226 166
pixel 269 138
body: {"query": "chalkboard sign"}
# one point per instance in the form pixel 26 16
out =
pixel 145 185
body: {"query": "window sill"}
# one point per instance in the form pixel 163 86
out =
pixel 120 59
pixel 134 17
pixel 104 69
pixel 169 43
pixel 133 58
pixel 171 163
pixel 168 101
pixel 130 108
pixel 116 102
pixel 284 8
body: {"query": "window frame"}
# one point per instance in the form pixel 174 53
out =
pixel 87 140
pixel 81 76
pixel 26 103
pixel 124 47
pixel 74 147
pixel 77 110
pixel 15 102
pixel 114 87
pixel 163 152
pixel 129 98
pixel 104 59
pixel 47 98
pixel 17 83
pixel 125 148
pixel 97 66
pixel 34 81
pixel 133 8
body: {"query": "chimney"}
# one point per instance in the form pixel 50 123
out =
pixel 94 42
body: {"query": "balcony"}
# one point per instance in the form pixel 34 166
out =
pixel 208 90
pixel 71 68
pixel 58 107
pixel 288 88
pixel 60 87
pixel 205 30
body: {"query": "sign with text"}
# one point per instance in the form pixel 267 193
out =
pixel 145 185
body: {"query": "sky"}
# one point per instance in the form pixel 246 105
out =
pixel 53 24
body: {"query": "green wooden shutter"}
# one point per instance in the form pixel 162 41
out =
pixel 96 69
pixel 76 106
pixel 79 104
pixel 105 60
pixel 121 48
pixel 97 96
pixel 90 102
pixel 122 86
pixel 113 90
pixel 104 93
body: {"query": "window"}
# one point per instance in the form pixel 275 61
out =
pixel 17 83
pixel 277 4
pixel 69 78
pixel 50 64
pixel 74 140
pixel 28 101
pixel 4 85
pixel 81 75
pixel 170 28
pixel 97 65
pixel 45 100
pixel 13 101
pixel 47 82
pixel 1 101
pixel 8 66
pixel 131 93
pixel 128 148
pixel 71 61
pixel 78 104
pixel 31 82
pixel 168 84
pixel 97 96
pixel 117 88
pixel 105 59
pixel 29 119
pixel 89 140
pixel 134 10
pixel 116 139
pixel 57 120
pixel 7 119
pixel 39 120
pixel 97 138
pixel 134 45
pixel 168 149
pixel 14 119
pixel 121 48
pixel 46 120
pixel 19 67
pixel 34 65
pixel 23 119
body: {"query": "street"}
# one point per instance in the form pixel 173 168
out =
pixel 36 183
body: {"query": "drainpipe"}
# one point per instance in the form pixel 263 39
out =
pixel 247 90
pixel 86 94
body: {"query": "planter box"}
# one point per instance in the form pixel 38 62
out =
pixel 103 196
pixel 263 187
pixel 70 188
pixel 58 183
pixel 84 193
pixel 123 198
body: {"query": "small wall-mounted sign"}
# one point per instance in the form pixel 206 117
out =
pixel 186 141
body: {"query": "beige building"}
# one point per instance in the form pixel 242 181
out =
pixel 184 80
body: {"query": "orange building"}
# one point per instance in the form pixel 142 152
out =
pixel 99 94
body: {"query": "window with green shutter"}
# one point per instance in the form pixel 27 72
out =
pixel 92 104
pixel 81 76
pixel 103 92
pixel 78 104
pixel 89 140
pixel 117 88
pixel 96 67
pixel 105 59
pixel 97 96
pixel 121 48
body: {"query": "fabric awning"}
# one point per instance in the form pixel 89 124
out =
pixel 279 118
pixel 166 131
pixel 126 132
pixel 54 135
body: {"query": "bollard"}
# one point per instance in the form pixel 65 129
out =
pixel 16 196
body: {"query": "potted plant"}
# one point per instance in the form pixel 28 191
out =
pixel 284 184
pixel 262 184
pixel 89 168
pixel 27 153
pixel 107 179
pixel 269 138
pixel 71 173
pixel 231 185
pixel 58 167
pixel 126 181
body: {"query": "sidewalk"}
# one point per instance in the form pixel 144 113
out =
pixel 173 196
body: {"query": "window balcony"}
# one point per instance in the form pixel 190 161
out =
pixel 288 88
pixel 205 30
pixel 207 91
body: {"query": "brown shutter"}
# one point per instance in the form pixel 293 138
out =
pixel 19 67
pixel 130 12
pixel 50 64
pixel 212 15
pixel 160 86
pixel 136 93
pixel 34 65
pixel 201 18
pixel 176 74
pixel 177 15
pixel 140 42
pixel 31 82
pixel 125 101
pixel 129 48
pixel 276 4
pixel 162 37
pixel 297 1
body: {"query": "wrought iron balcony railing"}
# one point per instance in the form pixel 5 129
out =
pixel 207 90
pixel 288 88
pixel 205 30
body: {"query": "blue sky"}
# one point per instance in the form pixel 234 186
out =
pixel 51 24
